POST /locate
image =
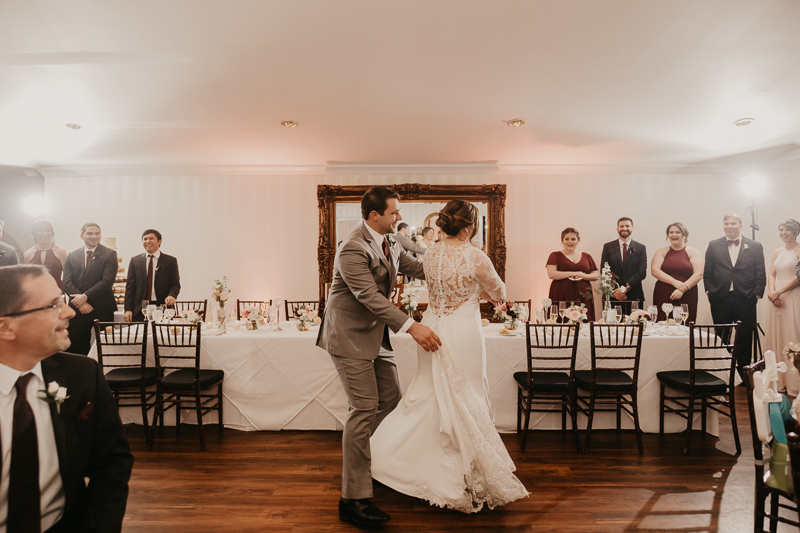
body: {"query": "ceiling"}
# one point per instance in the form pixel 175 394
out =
pixel 207 82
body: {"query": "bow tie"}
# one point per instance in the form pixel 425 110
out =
pixel 734 243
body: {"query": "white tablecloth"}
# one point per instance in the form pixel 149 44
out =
pixel 281 380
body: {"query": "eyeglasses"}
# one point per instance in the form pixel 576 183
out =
pixel 59 305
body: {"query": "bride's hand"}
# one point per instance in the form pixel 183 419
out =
pixel 425 337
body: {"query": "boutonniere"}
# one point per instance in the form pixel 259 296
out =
pixel 391 240
pixel 630 251
pixel 745 247
pixel 56 394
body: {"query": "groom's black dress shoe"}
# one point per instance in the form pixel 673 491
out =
pixel 361 513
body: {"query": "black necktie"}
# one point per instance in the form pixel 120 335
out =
pixel 24 514
pixel 149 277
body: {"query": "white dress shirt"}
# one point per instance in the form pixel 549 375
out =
pixel 377 243
pixel 152 292
pixel 733 251
pixel 50 485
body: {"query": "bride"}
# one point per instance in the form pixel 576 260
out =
pixel 440 443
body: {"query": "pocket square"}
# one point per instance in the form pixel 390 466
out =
pixel 85 413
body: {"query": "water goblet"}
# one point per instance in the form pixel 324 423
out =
pixel 158 313
pixel 634 306
pixel 150 310
pixel 169 313
pixel 667 308
pixel 611 316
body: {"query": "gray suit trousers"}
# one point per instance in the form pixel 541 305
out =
pixel 373 391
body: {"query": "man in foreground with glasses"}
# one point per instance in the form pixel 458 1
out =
pixel 59 423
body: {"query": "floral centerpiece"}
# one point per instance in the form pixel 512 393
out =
pixel 606 286
pixel 576 314
pixel 193 316
pixel 252 315
pixel 305 316
pixel 639 317
pixel 409 303
pixel 220 291
pixel 792 351
pixel 511 314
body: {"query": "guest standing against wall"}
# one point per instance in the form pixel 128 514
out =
pixel 678 269
pixel 628 261
pixel 8 255
pixel 89 275
pixel 152 276
pixel 735 278
pixel 783 313
pixel 571 272
pixel 45 251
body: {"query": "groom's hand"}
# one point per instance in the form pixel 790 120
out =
pixel 425 337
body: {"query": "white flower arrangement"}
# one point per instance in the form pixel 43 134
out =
pixel 55 394
pixel 252 314
pixel 511 314
pixel 220 291
pixel 193 316
pixel 638 316
pixel 576 314
pixel 792 351
pixel 305 316
pixel 607 284
pixel 409 302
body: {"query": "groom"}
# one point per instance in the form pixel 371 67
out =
pixel 355 332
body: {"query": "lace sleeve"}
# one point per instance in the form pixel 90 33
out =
pixel 488 278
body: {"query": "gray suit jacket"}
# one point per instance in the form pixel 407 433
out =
pixel 406 243
pixel 358 306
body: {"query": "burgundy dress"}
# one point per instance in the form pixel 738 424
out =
pixel 52 264
pixel 566 290
pixel 676 264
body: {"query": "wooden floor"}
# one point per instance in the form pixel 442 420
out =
pixel 290 481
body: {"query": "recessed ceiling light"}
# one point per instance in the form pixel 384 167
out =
pixel 516 122
pixel 74 126
pixel 744 122
pixel 289 124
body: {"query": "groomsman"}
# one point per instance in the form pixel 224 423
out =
pixel 54 442
pixel 8 255
pixel 735 278
pixel 405 242
pixel 89 275
pixel 628 261
pixel 152 276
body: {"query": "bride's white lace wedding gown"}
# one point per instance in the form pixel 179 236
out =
pixel 440 443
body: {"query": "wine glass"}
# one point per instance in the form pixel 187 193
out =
pixel 145 303
pixel 618 315
pixel 667 308
pixel 676 316
pixel 634 306
pixel 652 311
pixel 685 313
pixel 553 312
pixel 169 313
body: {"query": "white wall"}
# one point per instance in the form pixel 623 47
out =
pixel 261 230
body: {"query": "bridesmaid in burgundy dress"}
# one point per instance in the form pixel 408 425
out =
pixel 571 272
pixel 45 251
pixel 678 268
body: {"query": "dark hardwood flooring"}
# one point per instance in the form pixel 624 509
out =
pixel 290 481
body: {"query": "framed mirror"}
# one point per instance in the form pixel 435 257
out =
pixel 340 214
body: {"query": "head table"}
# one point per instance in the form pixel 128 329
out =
pixel 280 380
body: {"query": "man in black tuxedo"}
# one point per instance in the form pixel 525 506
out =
pixel 89 275
pixel 735 278
pixel 152 276
pixel 628 261
pixel 52 442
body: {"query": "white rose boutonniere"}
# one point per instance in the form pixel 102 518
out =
pixel 56 394
pixel 391 240
pixel 745 247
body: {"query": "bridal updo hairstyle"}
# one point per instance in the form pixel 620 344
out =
pixel 457 215
pixel 567 231
pixel 680 227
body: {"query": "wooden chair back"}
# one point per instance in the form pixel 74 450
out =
pixel 625 344
pixel 713 347
pixel 181 306
pixel 291 306
pixel 177 347
pixel 397 293
pixel 241 304
pixel 749 382
pixel 561 343
pixel 114 334
pixel 794 454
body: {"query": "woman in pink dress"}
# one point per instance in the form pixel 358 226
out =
pixel 571 272
pixel 678 269
pixel 45 251
pixel 783 315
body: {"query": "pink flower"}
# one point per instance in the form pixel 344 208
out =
pixel 215 293
pixel 223 296
pixel 584 310
pixel 246 314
